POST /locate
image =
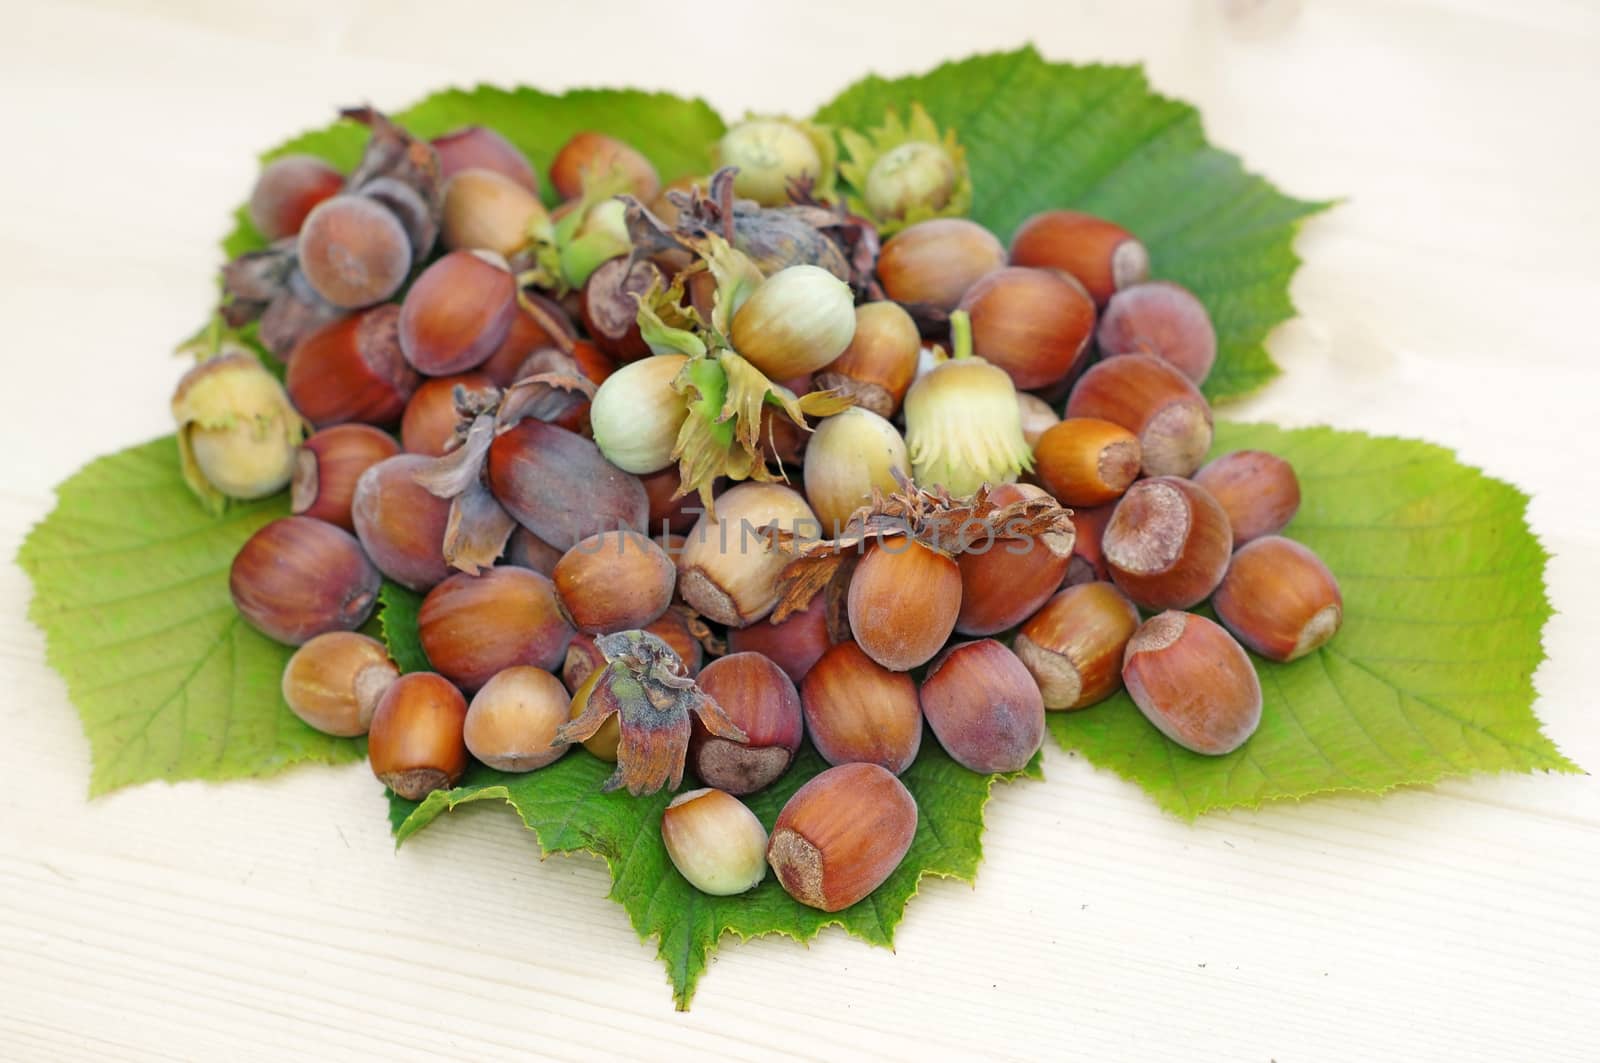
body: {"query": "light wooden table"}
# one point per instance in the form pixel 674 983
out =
pixel 1453 297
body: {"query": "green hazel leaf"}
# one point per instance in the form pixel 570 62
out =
pixel 130 579
pixel 397 627
pixel 675 134
pixel 1431 675
pixel 563 806
pixel 1044 135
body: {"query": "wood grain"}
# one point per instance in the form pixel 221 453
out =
pixel 1451 297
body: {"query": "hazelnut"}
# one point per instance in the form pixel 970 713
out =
pixel 474 626
pixel 415 743
pixel 457 312
pixel 984 707
pixel 715 842
pixel 933 263
pixel 903 602
pixel 557 484
pixel 762 702
pixel 727 570
pixel 512 721
pixel 1030 322
pixel 851 454
pixel 591 156
pixel 477 147
pixel 841 835
pixel 400 524
pixel 881 361
pixel 794 645
pixel 327 467
pixel 1194 682
pixel 1279 599
pixel 1258 491
pixel 603 744
pixel 1155 402
pixel 352 369
pixel 1162 319
pixel 613 581
pixel 1167 544
pixel 431 417
pixel 488 211
pixel 1102 255
pixel 858 711
pixel 1084 461
pixel 333 681
pixel 297 578
pixel 1073 646
pixel 1006 579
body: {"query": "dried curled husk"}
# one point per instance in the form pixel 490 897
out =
pixel 807 232
pixel 725 394
pixel 399 171
pixel 551 386
pixel 933 518
pixel 644 686
pixel 882 156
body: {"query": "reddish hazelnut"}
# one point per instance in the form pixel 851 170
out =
pixel 401 525
pixel 1073 646
pixel 1279 599
pixel 529 551
pixel 794 645
pixel 544 325
pixel 512 721
pixel 1004 580
pixel 288 188
pixel 589 156
pixel 415 743
pixel 431 417
pixel 857 710
pixel 1102 255
pixel 1162 319
pixel 984 707
pixel 474 626
pixel 1084 461
pixel 334 681
pixel 558 486
pixel 841 835
pixel 762 702
pixel 1153 401
pixel 1168 543
pixel 352 369
pixel 933 263
pixel 457 313
pixel 881 361
pixel 328 465
pixel 1031 323
pixel 1258 491
pixel 669 514
pixel 297 577
pixel 1088 562
pixel 1194 682
pixel 476 147
pixel 903 602
pixel 614 581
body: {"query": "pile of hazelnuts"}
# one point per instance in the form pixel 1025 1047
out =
pixel 610 569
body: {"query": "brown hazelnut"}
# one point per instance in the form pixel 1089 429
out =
pixel 1279 599
pixel 857 710
pixel 1073 646
pixel 841 835
pixel 1194 682
pixel 1168 543
pixel 415 743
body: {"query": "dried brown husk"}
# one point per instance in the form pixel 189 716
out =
pixel 932 518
